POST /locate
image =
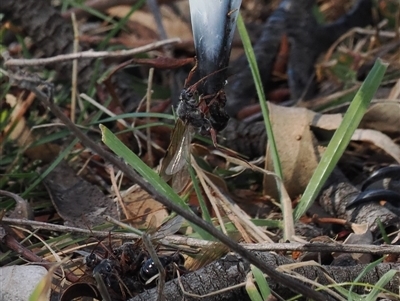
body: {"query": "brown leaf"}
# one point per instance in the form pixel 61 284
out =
pixel 297 147
pixel 173 24
pixel 141 208
pixel 384 117
pixel 78 202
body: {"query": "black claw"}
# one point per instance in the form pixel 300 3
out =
pixel 391 172
pixel 375 196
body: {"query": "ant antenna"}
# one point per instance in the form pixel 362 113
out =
pixel 196 84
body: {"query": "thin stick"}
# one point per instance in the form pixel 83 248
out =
pixel 90 54
pixel 209 194
pixel 198 243
pixel 161 271
pixel 255 231
pixel 74 68
pixel 155 9
pixel 110 170
pixel 148 129
pixel 121 121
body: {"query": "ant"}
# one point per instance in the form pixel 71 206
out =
pixel 149 269
pixel 205 113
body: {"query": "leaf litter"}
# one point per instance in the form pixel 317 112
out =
pixel 376 143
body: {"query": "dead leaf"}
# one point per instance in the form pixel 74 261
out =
pixel 18 129
pixel 379 139
pixel 22 210
pixel 363 237
pixel 359 228
pixel 173 24
pixel 78 202
pixel 329 122
pixel 297 147
pixel 384 117
pixel 141 208
pixel 23 135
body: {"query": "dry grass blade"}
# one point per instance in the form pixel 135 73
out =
pixel 232 208
pixel 285 199
pixel 289 268
pixel 210 196
pixel 42 290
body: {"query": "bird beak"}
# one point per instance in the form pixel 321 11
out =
pixel 213 25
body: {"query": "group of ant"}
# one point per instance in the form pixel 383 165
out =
pixel 205 113
pixel 129 270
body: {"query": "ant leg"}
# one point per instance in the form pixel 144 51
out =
pixel 195 85
pixel 213 134
pixel 191 73
pixel 211 100
pixel 202 105
pixel 219 98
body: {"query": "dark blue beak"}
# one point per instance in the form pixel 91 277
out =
pixel 213 25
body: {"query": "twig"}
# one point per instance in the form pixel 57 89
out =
pixel 74 68
pixel 22 207
pixel 148 129
pixel 89 54
pixel 198 243
pixel 209 194
pixel 121 121
pixel 314 283
pixel 61 228
pixel 114 184
pixel 155 9
pixel 157 262
pixel 24 252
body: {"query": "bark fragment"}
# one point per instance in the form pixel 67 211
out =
pixel 232 270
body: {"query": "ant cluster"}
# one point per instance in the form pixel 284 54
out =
pixel 205 113
pixel 130 270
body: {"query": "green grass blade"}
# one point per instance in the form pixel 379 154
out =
pixel 367 269
pixel 43 288
pixel 262 283
pixel 92 11
pixel 252 290
pixel 350 295
pixel 146 172
pixel 384 234
pixel 342 137
pixel 388 276
pixel 120 24
pixel 135 115
pixel 202 203
pixel 260 92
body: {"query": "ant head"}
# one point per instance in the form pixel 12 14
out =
pixel 185 95
pixel 92 260
pixel 205 129
pixel 189 96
